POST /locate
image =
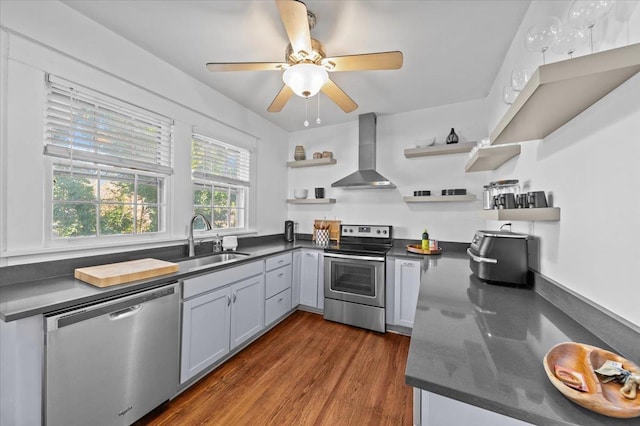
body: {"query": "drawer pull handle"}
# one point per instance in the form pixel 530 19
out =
pixel 407 264
pixel 280 300
pixel 234 297
pixel 228 300
pixel 281 260
pixel 281 274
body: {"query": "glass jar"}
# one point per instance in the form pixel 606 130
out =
pixel 507 192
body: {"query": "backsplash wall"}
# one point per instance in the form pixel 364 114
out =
pixel 449 221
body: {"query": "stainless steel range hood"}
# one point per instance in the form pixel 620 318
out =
pixel 366 177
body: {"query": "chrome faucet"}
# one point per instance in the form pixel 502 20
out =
pixel 192 250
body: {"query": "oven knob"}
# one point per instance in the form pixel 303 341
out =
pixel 378 231
pixel 384 232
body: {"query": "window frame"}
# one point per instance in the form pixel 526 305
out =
pixel 57 155
pixel 161 204
pixel 200 178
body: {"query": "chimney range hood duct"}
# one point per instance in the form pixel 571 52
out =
pixel 366 177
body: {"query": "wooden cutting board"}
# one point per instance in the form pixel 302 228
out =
pixel 124 272
pixel 334 228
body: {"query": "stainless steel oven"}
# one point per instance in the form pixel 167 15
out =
pixel 354 277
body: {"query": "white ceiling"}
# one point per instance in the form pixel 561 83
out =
pixel 452 49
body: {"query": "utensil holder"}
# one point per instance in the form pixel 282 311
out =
pixel 322 237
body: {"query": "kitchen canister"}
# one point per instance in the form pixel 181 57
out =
pixel 299 154
pixel 322 237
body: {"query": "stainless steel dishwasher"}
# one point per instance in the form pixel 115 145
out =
pixel 111 363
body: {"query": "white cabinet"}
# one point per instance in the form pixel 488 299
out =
pixel 278 287
pixel 311 276
pixel 205 331
pixel 21 363
pixel 407 285
pixel 295 282
pixel 431 409
pixel 247 309
pixel 220 311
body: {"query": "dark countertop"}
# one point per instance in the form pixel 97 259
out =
pixel 484 344
pixel 36 297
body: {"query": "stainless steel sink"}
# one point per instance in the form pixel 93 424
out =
pixel 211 260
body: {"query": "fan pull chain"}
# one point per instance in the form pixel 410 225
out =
pixel 318 121
pixel 306 112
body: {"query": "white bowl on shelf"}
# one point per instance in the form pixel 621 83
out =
pixel 421 143
pixel 300 194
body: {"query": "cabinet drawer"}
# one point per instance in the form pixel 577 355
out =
pixel 278 280
pixel 277 306
pixel 211 281
pixel 278 261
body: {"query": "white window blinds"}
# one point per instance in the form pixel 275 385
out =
pixel 88 126
pixel 220 162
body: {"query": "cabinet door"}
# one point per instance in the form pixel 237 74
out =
pixel 309 278
pixel 205 331
pixel 247 309
pixel 407 285
pixel 295 280
pixel 437 410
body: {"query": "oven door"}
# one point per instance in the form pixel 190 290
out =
pixel 353 278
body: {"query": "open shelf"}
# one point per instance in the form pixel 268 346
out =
pixel 491 158
pixel 311 200
pixel 427 151
pixel 560 91
pixel 546 213
pixel 312 162
pixel 440 198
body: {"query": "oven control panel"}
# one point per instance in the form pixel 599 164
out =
pixel 373 231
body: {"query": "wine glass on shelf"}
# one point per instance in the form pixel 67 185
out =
pixel 519 79
pixel 508 94
pixel 567 40
pixel 541 35
pixel 584 15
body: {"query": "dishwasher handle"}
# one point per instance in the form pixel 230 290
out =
pixel 117 308
pixel 124 313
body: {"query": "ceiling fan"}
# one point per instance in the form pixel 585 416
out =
pixel 306 67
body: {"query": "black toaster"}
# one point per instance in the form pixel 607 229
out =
pixel 500 257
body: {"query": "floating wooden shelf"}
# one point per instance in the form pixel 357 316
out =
pixel 427 151
pixel 491 158
pixel 311 201
pixel 547 213
pixel 312 162
pixel 560 91
pixel 440 198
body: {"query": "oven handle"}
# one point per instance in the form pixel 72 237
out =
pixel 355 257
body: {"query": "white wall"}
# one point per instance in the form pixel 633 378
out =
pixel 47 36
pixel 591 167
pixel 450 221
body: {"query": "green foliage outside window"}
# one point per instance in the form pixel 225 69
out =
pixel 92 202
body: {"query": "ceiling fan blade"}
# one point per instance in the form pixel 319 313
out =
pixel 367 61
pixel 246 66
pixel 337 95
pixel 281 99
pixel 294 17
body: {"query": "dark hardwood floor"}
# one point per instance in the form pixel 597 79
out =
pixel 306 371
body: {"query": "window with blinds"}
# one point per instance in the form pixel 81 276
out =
pixel 221 180
pixel 112 160
pixel 84 125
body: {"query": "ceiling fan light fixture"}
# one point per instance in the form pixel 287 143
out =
pixel 305 80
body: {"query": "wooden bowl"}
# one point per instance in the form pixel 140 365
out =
pixel 417 248
pixel 603 398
